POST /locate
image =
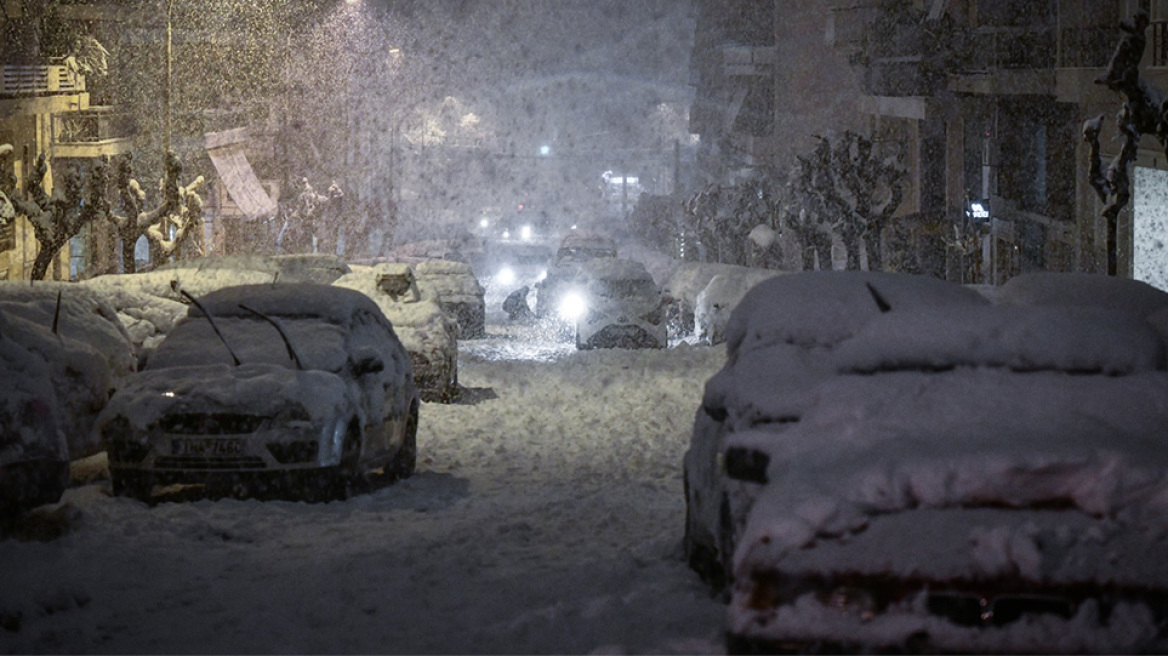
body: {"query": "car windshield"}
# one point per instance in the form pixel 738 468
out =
pixel 320 345
pixel 625 289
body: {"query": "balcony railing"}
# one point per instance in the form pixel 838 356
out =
pixel 39 79
pixel 94 125
pixel 1159 43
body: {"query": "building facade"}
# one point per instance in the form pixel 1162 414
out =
pixel 986 99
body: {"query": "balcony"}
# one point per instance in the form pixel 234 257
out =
pixel 20 80
pixel 993 48
pixel 91 133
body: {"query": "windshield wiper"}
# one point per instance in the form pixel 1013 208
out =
pixel 210 319
pixel 283 335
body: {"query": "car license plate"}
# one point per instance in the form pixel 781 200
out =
pixel 205 447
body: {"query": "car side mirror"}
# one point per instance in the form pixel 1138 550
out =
pixel 365 362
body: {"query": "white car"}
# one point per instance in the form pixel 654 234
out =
pixel 577 249
pixel 459 294
pixel 613 303
pixel 295 389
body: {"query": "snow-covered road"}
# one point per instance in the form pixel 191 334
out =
pixel 545 517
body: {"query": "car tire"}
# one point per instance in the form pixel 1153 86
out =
pixel 405 461
pixel 136 485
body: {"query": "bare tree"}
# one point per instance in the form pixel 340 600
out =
pixel 803 216
pixel 177 215
pixel 1144 112
pixel 852 190
pixel 58 218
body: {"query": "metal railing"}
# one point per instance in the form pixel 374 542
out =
pixel 1158 43
pixel 93 125
pixel 39 79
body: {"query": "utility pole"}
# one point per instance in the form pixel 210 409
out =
pixel 166 93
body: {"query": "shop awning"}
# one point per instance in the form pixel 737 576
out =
pixel 226 152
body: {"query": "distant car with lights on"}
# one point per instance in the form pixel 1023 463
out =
pixel 614 303
pixel 577 247
pixel 298 389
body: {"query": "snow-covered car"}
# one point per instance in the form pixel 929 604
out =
pixel 296 389
pixel 428 250
pixel 428 333
pixel 780 341
pixel 34 457
pixel 458 292
pixel 616 304
pixel 79 336
pixel 200 276
pixel 576 249
pixel 581 245
pixel 922 471
pixel 718 299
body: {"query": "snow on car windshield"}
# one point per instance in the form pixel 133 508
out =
pixel 320 345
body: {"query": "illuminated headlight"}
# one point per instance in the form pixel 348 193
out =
pixel 573 306
pixel 506 276
pixel 484 223
pixel 525 232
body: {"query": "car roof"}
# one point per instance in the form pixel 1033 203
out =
pixel 309 300
pixel 586 239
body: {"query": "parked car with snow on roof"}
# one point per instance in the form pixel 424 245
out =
pixel 299 389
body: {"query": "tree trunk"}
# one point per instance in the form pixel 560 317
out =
pixel 128 263
pixel 823 247
pixel 851 239
pixel 872 245
pixel 44 258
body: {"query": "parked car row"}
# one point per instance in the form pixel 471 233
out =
pixel 62 348
pixel 448 304
pixel 890 462
pixel 127 335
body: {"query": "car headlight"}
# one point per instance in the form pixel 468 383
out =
pixel 506 276
pixel 573 306
pixel 332 441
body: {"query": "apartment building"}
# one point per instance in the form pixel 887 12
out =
pixel 987 99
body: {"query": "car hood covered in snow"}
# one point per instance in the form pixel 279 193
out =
pixel 254 389
pixel 879 445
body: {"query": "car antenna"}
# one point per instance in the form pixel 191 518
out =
pixel 880 302
pixel 283 335
pixel 210 319
pixel 57 312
